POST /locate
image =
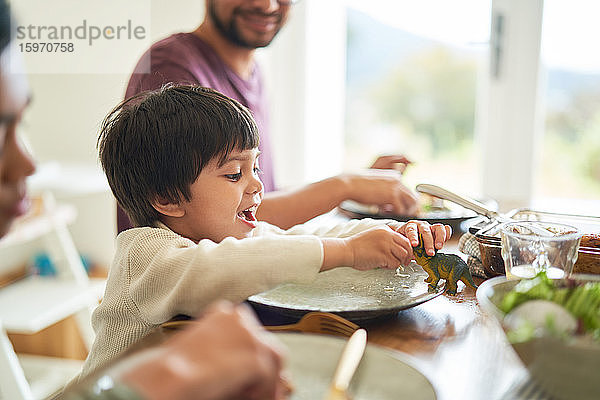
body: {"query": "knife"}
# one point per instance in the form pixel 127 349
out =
pixel 347 365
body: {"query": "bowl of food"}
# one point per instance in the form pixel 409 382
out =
pixel 554 327
pixel 489 240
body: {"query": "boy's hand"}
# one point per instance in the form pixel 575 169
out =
pixel 374 248
pixel 434 236
pixel 379 247
pixel 386 246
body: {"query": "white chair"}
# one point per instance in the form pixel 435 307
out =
pixel 34 303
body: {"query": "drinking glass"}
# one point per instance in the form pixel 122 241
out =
pixel 529 247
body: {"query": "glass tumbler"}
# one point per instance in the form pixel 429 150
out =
pixel 529 247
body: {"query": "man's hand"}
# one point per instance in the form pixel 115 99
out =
pixel 383 188
pixel 397 162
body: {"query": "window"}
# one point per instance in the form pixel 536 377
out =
pixel 411 85
pixel 458 86
pixel 570 156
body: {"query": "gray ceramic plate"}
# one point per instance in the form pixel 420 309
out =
pixel 451 212
pixel 355 295
pixel 454 215
pixel 381 375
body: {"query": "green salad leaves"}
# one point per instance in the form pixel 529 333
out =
pixel 582 300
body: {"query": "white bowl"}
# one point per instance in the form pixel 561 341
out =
pixel 564 369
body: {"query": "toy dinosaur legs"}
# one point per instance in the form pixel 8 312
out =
pixel 450 267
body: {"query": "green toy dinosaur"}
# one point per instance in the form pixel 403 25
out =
pixel 450 267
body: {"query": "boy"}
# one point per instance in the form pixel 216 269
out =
pixel 183 163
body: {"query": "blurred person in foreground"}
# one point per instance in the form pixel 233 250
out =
pixel 220 54
pixel 225 355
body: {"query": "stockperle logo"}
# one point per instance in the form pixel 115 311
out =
pixel 84 31
pixel 81 36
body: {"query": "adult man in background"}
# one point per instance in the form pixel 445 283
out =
pixel 220 54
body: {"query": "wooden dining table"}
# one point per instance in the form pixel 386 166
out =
pixel 462 351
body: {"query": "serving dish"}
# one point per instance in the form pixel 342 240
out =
pixel 381 375
pixel 354 295
pixel 487 231
pixel 487 234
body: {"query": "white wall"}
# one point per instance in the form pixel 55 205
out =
pixel 63 120
pixel 305 71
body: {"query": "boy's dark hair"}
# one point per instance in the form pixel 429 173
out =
pixel 154 144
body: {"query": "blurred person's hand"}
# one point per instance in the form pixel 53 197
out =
pixel 226 354
pixel 398 162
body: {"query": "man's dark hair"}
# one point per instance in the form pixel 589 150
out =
pixel 5 27
pixel 154 144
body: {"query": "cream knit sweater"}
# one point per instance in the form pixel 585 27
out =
pixel 157 274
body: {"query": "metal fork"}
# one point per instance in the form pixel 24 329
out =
pixel 319 322
pixel 313 322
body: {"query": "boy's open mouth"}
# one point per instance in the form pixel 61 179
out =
pixel 248 214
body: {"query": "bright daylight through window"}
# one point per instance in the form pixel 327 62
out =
pixel 412 77
pixel 570 162
pixel 413 85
